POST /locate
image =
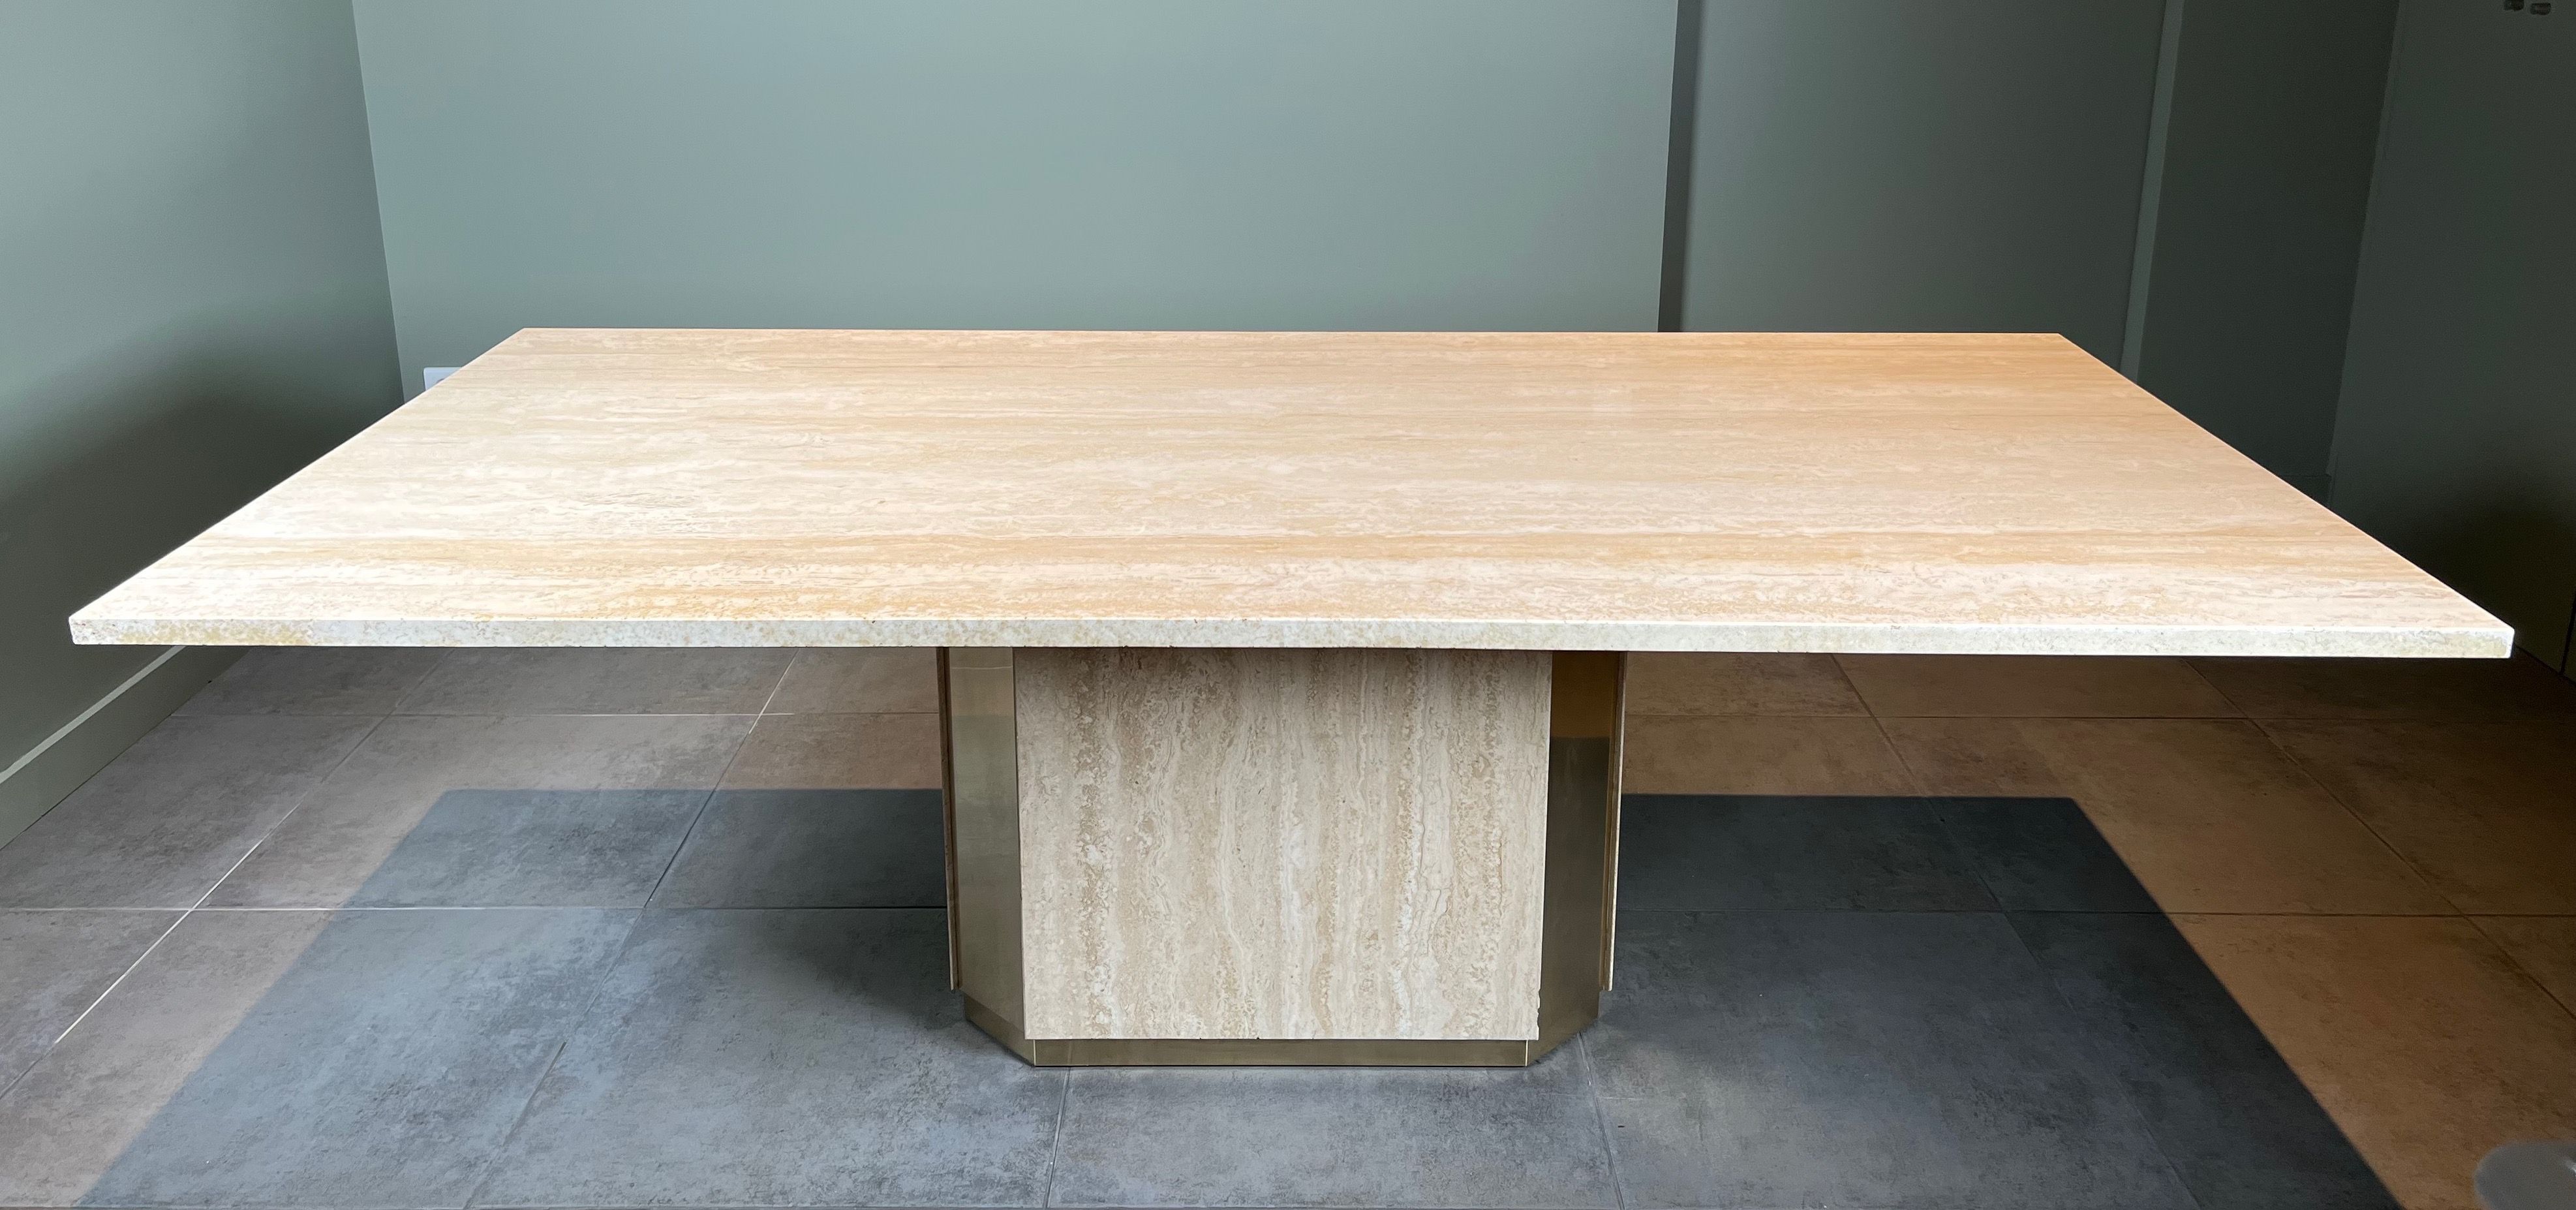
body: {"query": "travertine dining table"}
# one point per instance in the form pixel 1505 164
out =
pixel 1281 672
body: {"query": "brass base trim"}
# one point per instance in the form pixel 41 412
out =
pixel 1256 1052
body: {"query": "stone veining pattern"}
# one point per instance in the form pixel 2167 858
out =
pixel 1969 493
pixel 1282 844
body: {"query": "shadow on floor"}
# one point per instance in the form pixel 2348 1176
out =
pixel 649 997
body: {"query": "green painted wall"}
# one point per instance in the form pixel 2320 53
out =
pixel 1124 163
pixel 2457 440
pixel 2266 176
pixel 192 298
pixel 1920 164
pixel 1994 165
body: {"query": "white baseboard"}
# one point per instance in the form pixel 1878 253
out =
pixel 49 772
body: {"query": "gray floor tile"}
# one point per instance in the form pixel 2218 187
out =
pixel 783 1057
pixel 861 680
pixel 1720 852
pixel 315 680
pixel 812 848
pixel 162 822
pixel 381 1066
pixel 77 1109
pixel 2042 855
pixel 355 822
pixel 600 680
pixel 1720 683
pixel 839 752
pixel 2238 1125
pixel 53 965
pixel 1858 1058
pixel 1180 1136
pixel 535 848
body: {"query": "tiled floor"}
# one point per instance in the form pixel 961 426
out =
pixel 2377 858
pixel 661 928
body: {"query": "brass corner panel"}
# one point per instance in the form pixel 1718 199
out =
pixel 1586 695
pixel 979 725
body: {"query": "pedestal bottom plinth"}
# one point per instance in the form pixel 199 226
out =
pixel 1265 856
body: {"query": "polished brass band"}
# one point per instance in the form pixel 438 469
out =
pixel 1251 1052
pixel 979 730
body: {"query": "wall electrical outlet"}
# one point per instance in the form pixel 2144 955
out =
pixel 430 375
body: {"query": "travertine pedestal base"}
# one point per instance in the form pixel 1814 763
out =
pixel 1162 855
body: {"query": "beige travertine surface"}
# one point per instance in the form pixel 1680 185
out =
pixel 1569 491
pixel 1282 844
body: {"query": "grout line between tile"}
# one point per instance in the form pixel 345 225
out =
pixel 2223 696
pixel 1601 1119
pixel 2160 911
pixel 2274 742
pixel 501 1150
pixel 2071 718
pixel 784 672
pixel 1851 686
pixel 557 907
pixel 119 981
pixel 448 654
pixel 626 944
pixel 848 714
pixel 2512 915
pixel 1844 671
pixel 1975 867
pixel 2203 678
pixel 1904 766
pixel 300 800
pixel 2568 1006
pixel 721 775
pixel 2097 1049
pixel 1733 714
pixel 444 655
pixel 1055 1141
pixel 592 714
pixel 2079 718
pixel 211 888
pixel 127 908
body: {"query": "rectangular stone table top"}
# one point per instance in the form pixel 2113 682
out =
pixel 1567 491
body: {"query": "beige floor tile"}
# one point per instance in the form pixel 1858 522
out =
pixel 1671 682
pixel 2032 686
pixel 1974 756
pixel 839 751
pixel 2485 811
pixel 2521 687
pixel 860 680
pixel 1669 754
pixel 2543 946
pixel 2426 1044
pixel 2207 813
